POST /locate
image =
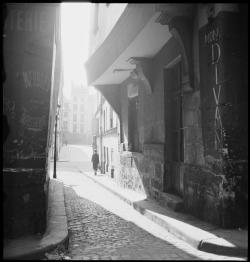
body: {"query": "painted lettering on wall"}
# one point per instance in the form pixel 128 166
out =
pixel 212 38
pixel 34 79
pixel 27 21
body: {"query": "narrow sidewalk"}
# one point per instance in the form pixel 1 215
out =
pixel 34 247
pixel 201 235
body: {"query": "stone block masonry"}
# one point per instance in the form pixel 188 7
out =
pixel 24 201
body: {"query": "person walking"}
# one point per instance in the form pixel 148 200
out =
pixel 95 160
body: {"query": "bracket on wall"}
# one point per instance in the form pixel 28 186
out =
pixel 142 72
pixel 181 27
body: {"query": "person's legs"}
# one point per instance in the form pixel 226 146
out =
pixel 95 168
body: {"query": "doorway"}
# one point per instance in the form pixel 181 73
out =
pixel 174 146
pixel 133 131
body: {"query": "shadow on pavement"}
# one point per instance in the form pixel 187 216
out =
pixel 102 232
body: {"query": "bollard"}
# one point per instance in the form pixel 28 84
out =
pixel 112 172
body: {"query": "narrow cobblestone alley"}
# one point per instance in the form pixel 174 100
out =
pixel 103 227
pixel 124 131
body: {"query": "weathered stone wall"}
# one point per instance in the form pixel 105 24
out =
pixel 223 104
pixel 208 110
pixel 28 53
pixel 143 172
pixel 24 201
pixel 130 175
pixel 28 58
pixel 202 189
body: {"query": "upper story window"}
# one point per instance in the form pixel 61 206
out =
pixel 104 120
pixel 82 107
pixel 111 117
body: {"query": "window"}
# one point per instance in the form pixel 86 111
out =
pixel 82 107
pixel 74 117
pixel 104 122
pixel 75 107
pixel 112 156
pixel 133 132
pixel 107 164
pixel 111 117
pixel 65 114
pixel 74 128
pixel 81 129
pixel 106 118
pixel 104 158
pixel 114 119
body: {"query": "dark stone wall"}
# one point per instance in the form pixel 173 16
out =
pixel 212 179
pixel 25 203
pixel 202 189
pixel 28 55
pixel 223 104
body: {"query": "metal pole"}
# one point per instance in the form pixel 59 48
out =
pixel 54 174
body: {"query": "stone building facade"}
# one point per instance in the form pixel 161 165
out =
pixel 176 75
pixel 107 138
pixel 77 115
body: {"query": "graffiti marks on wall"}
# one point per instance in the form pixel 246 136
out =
pixel 212 41
pixel 34 79
pixel 217 120
pixel 33 123
pixel 9 107
pixel 29 20
pixel 216 54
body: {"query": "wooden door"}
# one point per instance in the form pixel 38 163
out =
pixel 174 147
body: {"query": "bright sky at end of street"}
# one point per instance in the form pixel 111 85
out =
pixel 75 41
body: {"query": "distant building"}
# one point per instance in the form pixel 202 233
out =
pixel 107 130
pixel 77 115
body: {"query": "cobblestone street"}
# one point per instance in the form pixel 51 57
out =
pixel 96 233
pixel 103 227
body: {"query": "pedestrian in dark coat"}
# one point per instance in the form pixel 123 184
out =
pixel 95 160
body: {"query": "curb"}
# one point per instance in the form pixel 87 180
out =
pixel 56 232
pixel 201 240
